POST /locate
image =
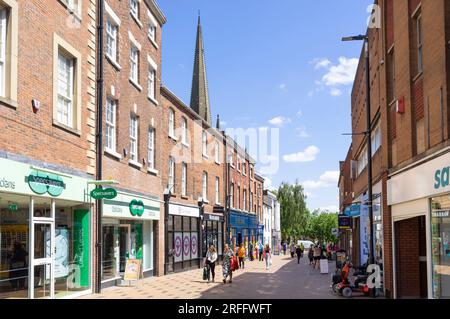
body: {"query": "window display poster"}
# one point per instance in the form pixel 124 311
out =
pixel 186 246
pixel 364 231
pixel 81 244
pixel 62 252
pixel 194 246
pixel 178 246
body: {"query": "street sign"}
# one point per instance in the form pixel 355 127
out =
pixel 12 207
pixel 107 193
pixel 335 232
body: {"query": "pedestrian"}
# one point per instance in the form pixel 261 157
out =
pixel 317 256
pixel 250 251
pixel 18 266
pixel 267 256
pixel 284 248
pixel 292 250
pixel 241 256
pixel 226 265
pixel 299 253
pixel 261 251
pixel 311 255
pixel 211 258
pixel 302 249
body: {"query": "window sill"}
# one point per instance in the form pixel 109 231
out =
pixel 135 164
pixel 173 138
pixel 206 201
pixel 113 153
pixel 153 100
pixel 136 19
pixel 9 103
pixel 153 42
pixel 217 162
pixel 185 144
pixel 113 62
pixel 205 156
pixel 218 204
pixel 184 197
pixel 66 128
pixel 135 84
pixel 152 171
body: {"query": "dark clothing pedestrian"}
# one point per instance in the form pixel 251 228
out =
pixel 298 251
pixel 311 255
pixel 18 267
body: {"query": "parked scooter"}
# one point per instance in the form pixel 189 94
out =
pixel 346 289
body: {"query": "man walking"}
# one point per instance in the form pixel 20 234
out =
pixel 299 253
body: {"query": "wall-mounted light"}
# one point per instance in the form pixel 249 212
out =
pixel 36 105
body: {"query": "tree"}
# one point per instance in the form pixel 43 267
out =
pixel 320 226
pixel 293 211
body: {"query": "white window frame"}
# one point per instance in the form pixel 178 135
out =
pixel 204 143
pixel 217 151
pixel 171 175
pixel 376 140
pixel 205 186
pixel 419 30
pixel 65 105
pixel 110 126
pixel 244 200
pixel 9 54
pixel 134 64
pixel 134 144
pixel 232 195
pixel 239 196
pixel 152 83
pixel 151 148
pixel 3 42
pixel 183 179
pixel 135 8
pixel 250 201
pixel 171 123
pixel 112 30
pixel 362 161
pixel 217 196
pixel 184 131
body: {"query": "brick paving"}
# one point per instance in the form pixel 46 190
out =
pixel 284 280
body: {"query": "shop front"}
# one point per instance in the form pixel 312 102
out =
pixel 128 224
pixel 420 218
pixel 213 233
pixel 45 233
pixel 183 237
pixel 243 229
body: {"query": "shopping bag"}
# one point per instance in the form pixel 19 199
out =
pixel 205 273
pixel 234 263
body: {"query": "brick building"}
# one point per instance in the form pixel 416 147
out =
pixel 132 138
pixel 47 146
pixel 409 95
pixel 346 197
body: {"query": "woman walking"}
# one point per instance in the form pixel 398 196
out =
pixel 311 255
pixel 292 250
pixel 211 257
pixel 317 256
pixel 241 255
pixel 267 256
pixel 226 267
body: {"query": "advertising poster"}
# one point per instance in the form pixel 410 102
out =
pixel 187 247
pixel 81 245
pixel 194 245
pixel 364 231
pixel 178 247
pixel 62 253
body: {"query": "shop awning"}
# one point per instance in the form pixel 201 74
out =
pixel 353 210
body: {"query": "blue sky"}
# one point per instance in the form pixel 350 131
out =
pixel 276 64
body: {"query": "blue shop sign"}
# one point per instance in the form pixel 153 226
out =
pixel 353 210
pixel 241 220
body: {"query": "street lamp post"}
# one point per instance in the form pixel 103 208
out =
pixel 201 205
pixel 368 134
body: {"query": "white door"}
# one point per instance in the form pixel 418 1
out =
pixel 42 253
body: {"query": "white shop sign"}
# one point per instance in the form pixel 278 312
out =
pixel 181 210
pixel 427 180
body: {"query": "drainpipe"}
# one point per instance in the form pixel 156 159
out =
pixel 99 139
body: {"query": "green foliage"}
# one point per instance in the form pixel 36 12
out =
pixel 296 220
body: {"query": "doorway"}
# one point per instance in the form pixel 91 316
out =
pixel 124 246
pixel 411 258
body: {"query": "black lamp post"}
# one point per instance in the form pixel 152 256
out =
pixel 201 206
pixel 368 134
pixel 167 255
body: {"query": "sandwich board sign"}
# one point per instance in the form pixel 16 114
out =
pixel 133 269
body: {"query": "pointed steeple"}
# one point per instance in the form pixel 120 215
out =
pixel 199 93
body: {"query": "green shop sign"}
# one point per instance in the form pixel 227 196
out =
pixel 137 208
pixel 43 182
pixel 107 193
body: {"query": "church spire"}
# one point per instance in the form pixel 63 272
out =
pixel 199 93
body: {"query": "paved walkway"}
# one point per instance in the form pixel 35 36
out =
pixel 285 280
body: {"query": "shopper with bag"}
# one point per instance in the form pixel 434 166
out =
pixel 267 256
pixel 241 255
pixel 226 266
pixel 210 263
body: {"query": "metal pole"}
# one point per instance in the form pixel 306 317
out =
pixel 99 139
pixel 369 151
pixel 166 233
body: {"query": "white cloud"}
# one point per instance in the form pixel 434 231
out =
pixel 223 123
pixel 268 184
pixel 299 113
pixel 301 132
pixel 343 73
pixel 283 87
pixel 309 194
pixel 335 92
pixel 321 63
pixel 279 121
pixel 308 155
pixel 327 179
pixel 331 209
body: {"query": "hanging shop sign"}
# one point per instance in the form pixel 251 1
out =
pixel 345 222
pixel 353 210
pixel 43 182
pixel 137 208
pixel 104 193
